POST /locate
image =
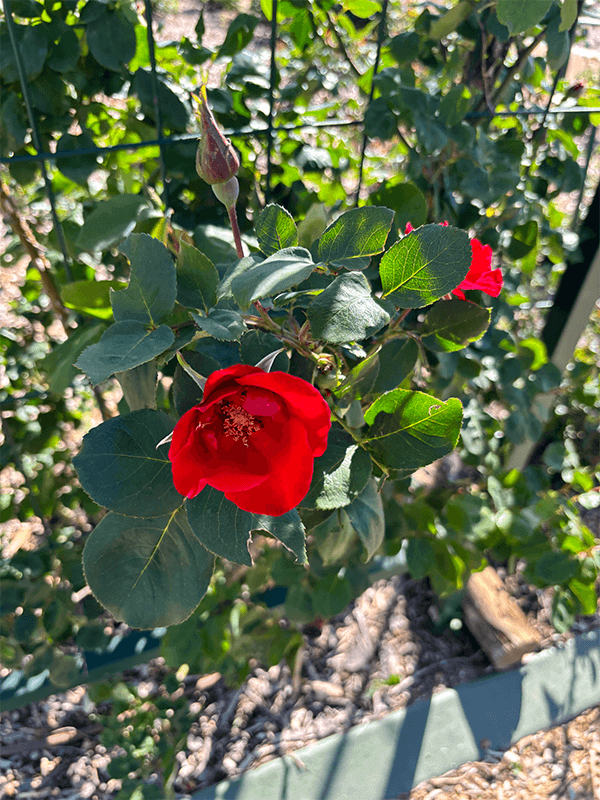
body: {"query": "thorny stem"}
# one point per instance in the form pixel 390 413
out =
pixel 235 228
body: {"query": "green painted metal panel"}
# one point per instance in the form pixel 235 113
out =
pixel 380 759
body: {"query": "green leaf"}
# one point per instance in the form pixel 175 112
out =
pixel 558 44
pixel 174 114
pixel 451 20
pixel 405 48
pixel 334 538
pixel 59 363
pixel 220 525
pixel 239 34
pixel 276 273
pixel 199 27
pixel 197 278
pixel 346 311
pixel 275 230
pixel 33 46
pixel 360 380
pixel 64 51
pixel 453 324
pixel 256 345
pixel 532 353
pixel 340 474
pixel 139 386
pixel 519 16
pixel 13 121
pixel 111 39
pixel 568 14
pixel 123 346
pixel 77 168
pixel 355 234
pixel 186 392
pixel 454 106
pixel 420 558
pixel 288 528
pixel 221 323
pixel 556 568
pixel 120 467
pixel 396 361
pixel 425 265
pixel 150 296
pixel 225 529
pixel 586 594
pixel 111 221
pixel 524 239
pixel 363 8
pixel 90 297
pixel 409 430
pixel 367 517
pixel 147 573
pixel 407 201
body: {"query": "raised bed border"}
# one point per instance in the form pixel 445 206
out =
pixel 382 758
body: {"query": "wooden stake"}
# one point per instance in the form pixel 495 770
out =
pixel 496 621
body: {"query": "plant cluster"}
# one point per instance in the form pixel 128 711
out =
pixel 448 139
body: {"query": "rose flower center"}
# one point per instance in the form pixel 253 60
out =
pixel 239 423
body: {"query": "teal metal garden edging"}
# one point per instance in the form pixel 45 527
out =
pixel 123 652
pixel 380 759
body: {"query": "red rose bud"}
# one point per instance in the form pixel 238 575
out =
pixel 216 160
pixel 254 437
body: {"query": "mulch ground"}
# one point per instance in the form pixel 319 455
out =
pixel 380 654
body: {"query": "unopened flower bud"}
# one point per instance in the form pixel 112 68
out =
pixel 216 160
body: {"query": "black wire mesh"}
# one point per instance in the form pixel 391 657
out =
pixel 269 132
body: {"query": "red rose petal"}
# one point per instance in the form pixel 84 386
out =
pixel 291 469
pixel 263 404
pixel 303 402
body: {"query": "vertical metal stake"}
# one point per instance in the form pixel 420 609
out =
pixel 272 81
pixel 156 101
pixel 380 38
pixel 36 137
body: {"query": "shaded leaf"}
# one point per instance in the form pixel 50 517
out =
pixel 221 323
pixel 147 573
pixel 111 39
pixel 197 278
pixel 367 517
pixel 152 289
pixel 120 468
pixel 340 474
pixel 452 324
pixel 346 311
pixel 123 346
pixel 111 221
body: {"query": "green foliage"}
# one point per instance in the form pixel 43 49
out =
pixel 440 156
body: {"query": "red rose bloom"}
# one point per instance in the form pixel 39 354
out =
pixel 254 436
pixel 480 275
